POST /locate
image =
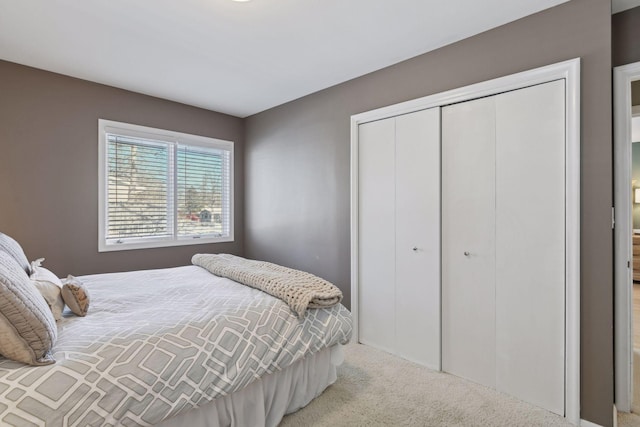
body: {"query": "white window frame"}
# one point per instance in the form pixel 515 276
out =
pixel 109 126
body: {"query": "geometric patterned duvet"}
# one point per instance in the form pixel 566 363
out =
pixel 157 343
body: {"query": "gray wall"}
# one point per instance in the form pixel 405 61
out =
pixel 297 162
pixel 49 159
pixel 625 34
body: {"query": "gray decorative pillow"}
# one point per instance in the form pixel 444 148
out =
pixel 13 248
pixel 76 296
pixel 27 328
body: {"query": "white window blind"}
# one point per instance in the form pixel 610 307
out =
pixel 139 201
pixel 163 188
pixel 203 184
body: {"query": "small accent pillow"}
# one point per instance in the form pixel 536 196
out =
pixel 76 296
pixel 13 248
pixel 50 286
pixel 27 328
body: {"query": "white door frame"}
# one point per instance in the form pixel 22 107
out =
pixel 570 71
pixel 623 291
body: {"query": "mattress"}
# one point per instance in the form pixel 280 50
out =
pixel 158 343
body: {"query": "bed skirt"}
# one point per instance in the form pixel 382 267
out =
pixel 265 401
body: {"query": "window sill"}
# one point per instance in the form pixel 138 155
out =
pixel 149 244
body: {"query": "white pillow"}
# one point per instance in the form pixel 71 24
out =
pixel 50 286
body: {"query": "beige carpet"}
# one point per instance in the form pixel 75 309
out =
pixel 377 389
pixel 635 404
pixel 628 420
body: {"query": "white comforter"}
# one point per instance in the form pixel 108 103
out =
pixel 159 342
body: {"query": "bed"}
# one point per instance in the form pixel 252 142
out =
pixel 177 346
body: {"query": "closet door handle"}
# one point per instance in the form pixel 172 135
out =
pixel 467 253
pixel 415 249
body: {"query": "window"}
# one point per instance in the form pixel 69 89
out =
pixel 162 188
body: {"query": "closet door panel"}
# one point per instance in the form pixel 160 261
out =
pixel 376 233
pixel 417 303
pixel 530 257
pixel 468 240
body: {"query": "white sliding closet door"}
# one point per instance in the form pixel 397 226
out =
pixel 468 240
pixel 503 242
pixel 399 235
pixel 530 244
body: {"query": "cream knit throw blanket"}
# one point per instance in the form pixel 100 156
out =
pixel 300 290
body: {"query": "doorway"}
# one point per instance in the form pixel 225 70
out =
pixel 627 236
pixel 635 251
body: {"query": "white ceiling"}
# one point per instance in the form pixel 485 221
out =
pixel 237 58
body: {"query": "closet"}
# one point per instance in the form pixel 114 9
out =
pixel 503 242
pixel 399 231
pixel 461 256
